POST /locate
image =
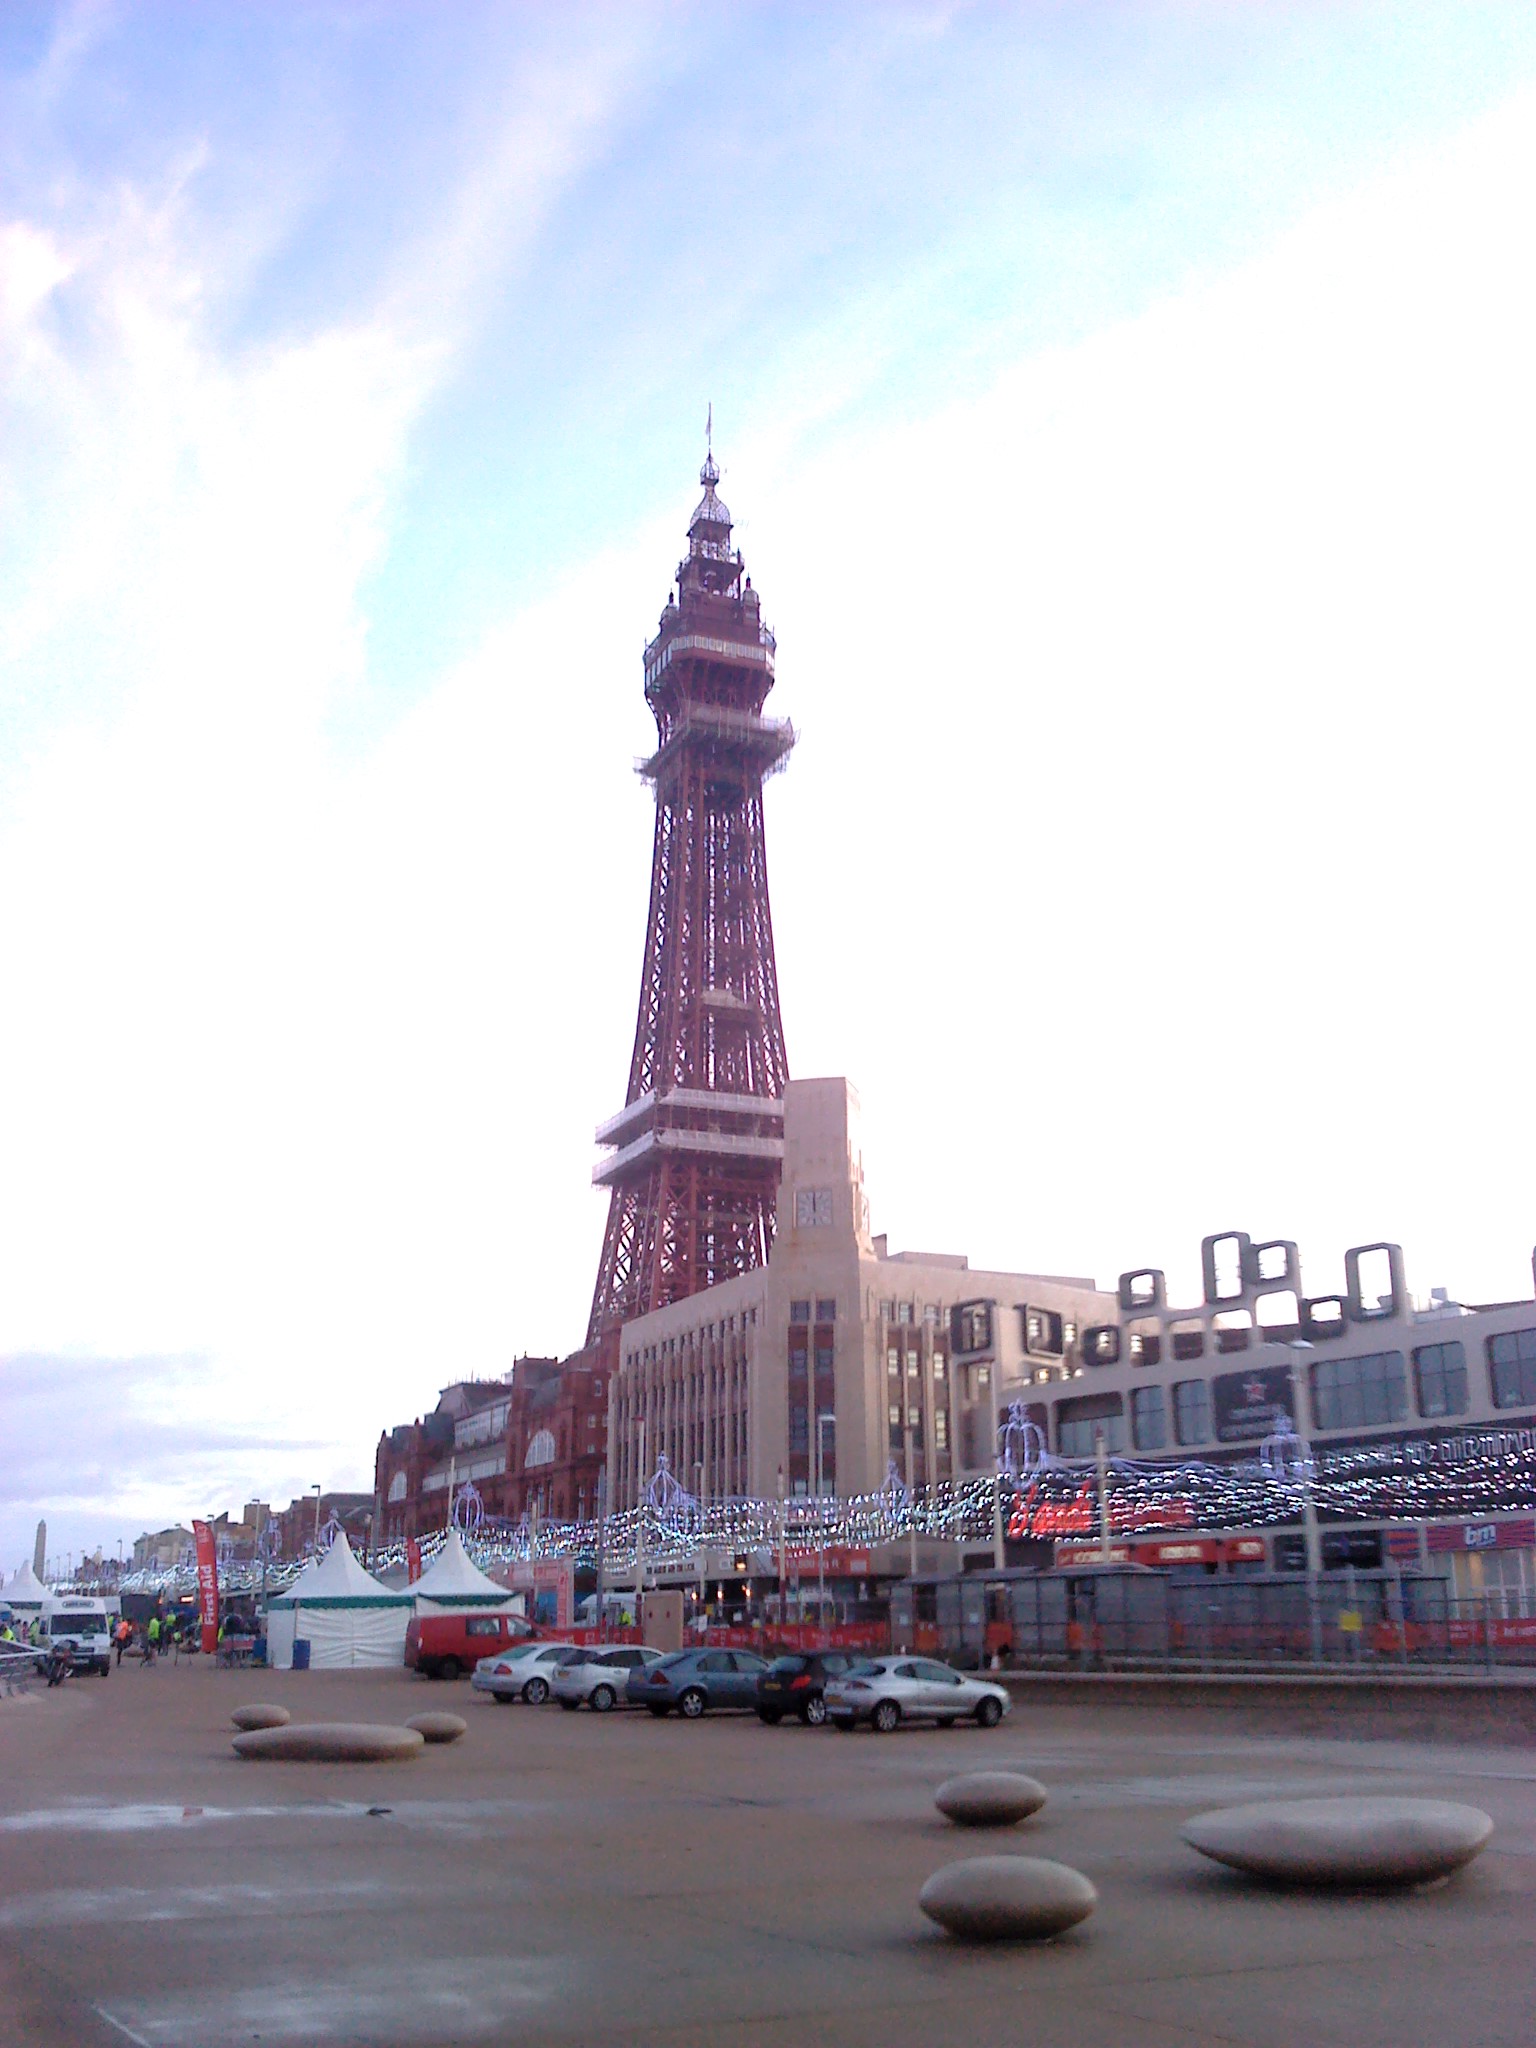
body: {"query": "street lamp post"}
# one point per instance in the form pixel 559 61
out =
pixel 1301 1421
pixel 1101 1459
pixel 783 1589
pixel 601 1505
pixel 822 1421
pixel 640 1524
pixel 698 1484
pixel 906 1439
pixel 315 1490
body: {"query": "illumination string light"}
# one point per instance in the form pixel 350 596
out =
pixel 1470 1475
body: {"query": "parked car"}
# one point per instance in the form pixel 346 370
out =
pixel 598 1676
pixel 886 1691
pixel 443 1645
pixel 693 1681
pixel 523 1672
pixel 795 1684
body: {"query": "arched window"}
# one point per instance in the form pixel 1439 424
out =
pixel 541 1451
pixel 397 1487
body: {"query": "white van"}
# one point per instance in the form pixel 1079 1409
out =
pixel 84 1622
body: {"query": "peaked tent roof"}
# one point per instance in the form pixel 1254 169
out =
pixel 453 1579
pixel 337 1580
pixel 26 1589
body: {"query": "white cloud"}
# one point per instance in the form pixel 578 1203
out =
pixel 1160 768
pixel 238 965
pixel 1182 672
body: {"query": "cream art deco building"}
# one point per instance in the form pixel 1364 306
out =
pixel 838 1359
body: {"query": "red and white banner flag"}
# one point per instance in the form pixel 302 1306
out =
pixel 207 1584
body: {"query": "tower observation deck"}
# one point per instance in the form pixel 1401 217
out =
pixel 694 1156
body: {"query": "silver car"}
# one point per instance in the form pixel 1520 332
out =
pixel 522 1672
pixel 598 1676
pixel 885 1691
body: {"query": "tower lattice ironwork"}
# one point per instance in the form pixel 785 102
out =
pixel 696 1152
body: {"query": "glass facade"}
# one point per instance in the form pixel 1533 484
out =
pixel 1149 1419
pixel 1441 1373
pixel 1078 1423
pixel 1352 1393
pixel 1191 1411
pixel 1512 1369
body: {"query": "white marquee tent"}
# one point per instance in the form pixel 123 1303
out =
pixel 346 1617
pixel 454 1584
pixel 24 1593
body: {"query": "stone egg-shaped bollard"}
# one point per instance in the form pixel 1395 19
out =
pixel 1007 1898
pixel 1346 1841
pixel 335 1742
pixel 989 1799
pixel 438 1727
pixel 261 1716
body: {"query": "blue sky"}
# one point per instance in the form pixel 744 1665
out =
pixel 1127 413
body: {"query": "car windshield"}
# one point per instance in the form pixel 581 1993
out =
pixel 863 1668
pixel 788 1664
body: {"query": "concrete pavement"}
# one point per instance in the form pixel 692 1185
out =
pixel 572 1878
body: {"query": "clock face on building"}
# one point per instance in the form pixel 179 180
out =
pixel 813 1208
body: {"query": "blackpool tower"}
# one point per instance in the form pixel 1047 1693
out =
pixel 696 1151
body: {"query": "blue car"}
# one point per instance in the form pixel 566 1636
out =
pixel 693 1681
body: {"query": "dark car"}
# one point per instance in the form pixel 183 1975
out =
pixel 794 1684
pixel 693 1681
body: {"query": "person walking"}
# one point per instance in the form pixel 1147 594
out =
pixel 152 1639
pixel 122 1635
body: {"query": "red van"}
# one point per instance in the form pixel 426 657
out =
pixel 443 1645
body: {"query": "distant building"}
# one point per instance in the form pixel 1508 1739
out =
pixel 297 1523
pixel 162 1551
pixel 533 1442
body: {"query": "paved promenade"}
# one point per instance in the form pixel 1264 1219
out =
pixel 575 1879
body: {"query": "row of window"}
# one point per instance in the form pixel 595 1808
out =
pixel 1360 1392
pixel 669 1347
pixel 800 1311
pixel 904 1313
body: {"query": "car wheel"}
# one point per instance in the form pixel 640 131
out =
pixel 536 1691
pixel 448 1668
pixel 814 1712
pixel 660 1713
pixel 603 1699
pixel 769 1716
pixel 691 1704
pixel 885 1717
pixel 945 1721
pixel 105 1670
pixel 989 1713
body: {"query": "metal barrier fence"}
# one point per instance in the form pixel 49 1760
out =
pixel 1350 1620
pixel 18 1667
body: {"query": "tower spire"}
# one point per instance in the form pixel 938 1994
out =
pixel 696 1151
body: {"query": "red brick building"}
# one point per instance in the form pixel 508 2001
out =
pixel 536 1439
pixel 295 1523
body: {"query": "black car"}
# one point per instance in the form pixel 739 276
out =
pixel 793 1684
